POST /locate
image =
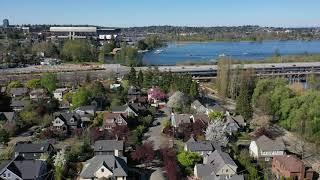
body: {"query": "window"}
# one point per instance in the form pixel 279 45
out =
pixel 9 174
pixel 102 169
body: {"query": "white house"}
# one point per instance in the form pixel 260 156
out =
pixel 58 93
pixel 266 148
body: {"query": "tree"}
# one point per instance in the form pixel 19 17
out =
pixel 156 94
pixel 187 160
pixel 178 100
pixel 49 81
pixel 216 131
pixel 48 48
pixel 194 90
pixel 215 115
pixel 4 136
pixel 77 50
pixel 132 77
pixel 81 98
pixel 223 77
pixel 59 164
pixel 14 84
pixel 33 84
pixel 140 79
pixel 144 153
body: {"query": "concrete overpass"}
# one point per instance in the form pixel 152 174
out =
pixel 262 69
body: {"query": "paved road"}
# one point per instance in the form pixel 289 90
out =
pixel 155 133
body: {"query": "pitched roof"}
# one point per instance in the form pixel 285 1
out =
pixel 218 159
pixel 182 118
pixel 194 146
pixel 18 103
pixel 27 169
pixel 289 162
pixel 37 92
pixel 204 170
pixel 18 91
pixel 117 165
pixel 201 117
pixel 32 148
pixel 68 116
pixel 267 144
pixel 119 108
pixel 87 108
pixel 133 90
pixel 8 115
pixel 108 145
pixel 239 119
pixel 60 90
pixel 198 106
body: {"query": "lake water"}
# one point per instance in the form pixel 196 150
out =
pixel 210 51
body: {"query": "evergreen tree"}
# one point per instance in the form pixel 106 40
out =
pixel 243 103
pixel 140 78
pixel 132 77
pixel 148 79
pixel 223 77
pixel 194 92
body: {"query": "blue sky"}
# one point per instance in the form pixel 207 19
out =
pixel 124 13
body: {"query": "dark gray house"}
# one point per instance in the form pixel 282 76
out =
pixel 33 151
pixel 23 170
pixel 18 92
pixel 201 147
pixel 109 147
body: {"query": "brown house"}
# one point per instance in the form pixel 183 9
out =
pixel 290 166
pixel 114 119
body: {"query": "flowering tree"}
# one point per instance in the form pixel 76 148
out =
pixel 170 162
pixel 216 131
pixel 59 164
pixel 177 100
pixel 156 94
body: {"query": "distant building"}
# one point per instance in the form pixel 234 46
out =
pixel 6 23
pixel 266 148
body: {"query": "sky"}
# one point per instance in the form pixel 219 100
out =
pixel 128 13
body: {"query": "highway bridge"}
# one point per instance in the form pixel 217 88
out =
pixel 290 70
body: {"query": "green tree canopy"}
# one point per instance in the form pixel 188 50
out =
pixel 33 83
pixel 81 98
pixel 49 81
pixel 77 50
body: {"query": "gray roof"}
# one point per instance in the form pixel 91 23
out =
pixel 37 92
pixel 108 145
pixel 200 108
pixel 119 108
pixel 205 170
pixel 234 177
pixel 27 169
pixel 182 118
pixel 266 144
pixel 133 90
pixel 87 108
pixel 117 165
pixel 8 115
pixel 18 91
pixel 218 159
pixel 32 148
pixel 195 146
pixel 18 103
pixel 67 118
pixel 239 119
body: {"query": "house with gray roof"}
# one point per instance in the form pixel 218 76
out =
pixel 20 169
pixel 217 165
pixel 37 94
pixel 109 147
pixel 33 151
pixel 18 105
pixel 67 121
pixel 8 117
pixel 133 109
pixel 105 167
pixel 264 147
pixel 199 108
pixel 179 119
pixel 58 93
pixel 201 147
pixel 18 92
pixel 112 120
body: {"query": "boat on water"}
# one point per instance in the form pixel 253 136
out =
pixel 158 51
pixel 222 55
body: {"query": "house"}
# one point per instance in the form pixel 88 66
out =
pixel 216 107
pixel 179 119
pixel 37 94
pixel 18 105
pixel 33 151
pixel 264 147
pixel 240 120
pixel 9 117
pixel 217 165
pixel 231 126
pixel 105 167
pixel 109 147
pixel 67 121
pixel 201 147
pixel 290 166
pixel 199 108
pixel 134 109
pixel 113 119
pixel 18 92
pixel 20 169
pixel 201 117
pixel 86 113
pixel 58 93
pixel 133 91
